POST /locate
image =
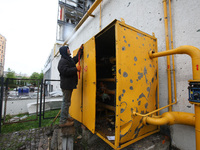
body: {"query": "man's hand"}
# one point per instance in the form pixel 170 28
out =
pixel 78 68
pixel 80 52
pixel 82 47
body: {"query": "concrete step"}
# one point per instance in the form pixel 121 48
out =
pixel 93 142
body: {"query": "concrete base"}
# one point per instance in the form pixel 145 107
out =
pixel 65 138
pixel 153 142
pixel 49 105
pixel 68 137
pixel 68 143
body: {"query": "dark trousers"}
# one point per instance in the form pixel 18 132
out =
pixel 65 105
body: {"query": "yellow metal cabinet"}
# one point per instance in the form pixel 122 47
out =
pixel 76 103
pixel 89 85
pixel 118 79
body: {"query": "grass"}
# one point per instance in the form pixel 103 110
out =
pixel 7 128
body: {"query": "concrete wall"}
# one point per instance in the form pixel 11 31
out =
pixel 148 16
pixel 55 73
pixel 186 23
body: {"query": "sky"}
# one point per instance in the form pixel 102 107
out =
pixel 29 27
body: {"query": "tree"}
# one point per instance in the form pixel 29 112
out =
pixel 11 74
pixel 35 76
pixel 41 76
pixel 24 82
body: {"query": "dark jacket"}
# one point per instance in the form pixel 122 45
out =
pixel 67 70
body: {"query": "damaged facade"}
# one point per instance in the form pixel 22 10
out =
pixel 146 16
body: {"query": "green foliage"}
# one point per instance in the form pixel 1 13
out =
pixel 31 124
pixel 24 82
pixel 36 76
pixel 10 74
pixel 41 76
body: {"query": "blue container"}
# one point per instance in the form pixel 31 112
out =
pixel 23 90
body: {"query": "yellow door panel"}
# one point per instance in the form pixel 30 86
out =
pixel 76 100
pixel 89 84
pixel 137 81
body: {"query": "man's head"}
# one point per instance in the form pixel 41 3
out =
pixel 64 51
pixel 68 51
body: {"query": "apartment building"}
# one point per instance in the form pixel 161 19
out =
pixel 70 12
pixel 2 53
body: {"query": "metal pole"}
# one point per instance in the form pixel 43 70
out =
pixel 41 87
pixel 6 98
pixel 1 100
pixel 44 98
pixel 168 57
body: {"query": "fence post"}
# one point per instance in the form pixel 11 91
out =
pixel 1 100
pixel 44 98
pixel 41 87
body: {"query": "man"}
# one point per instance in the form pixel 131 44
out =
pixel 68 81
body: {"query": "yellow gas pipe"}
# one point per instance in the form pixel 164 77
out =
pixel 172 47
pixel 195 56
pixel 186 49
pixel 168 57
pixel 171 118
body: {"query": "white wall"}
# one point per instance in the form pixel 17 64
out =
pixel 54 71
pixel 186 22
pixel 148 16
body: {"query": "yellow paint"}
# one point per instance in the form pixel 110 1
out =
pixel 76 103
pixel 171 118
pixel 194 53
pixel 139 138
pixel 168 57
pixel 136 85
pixel 197 125
pixel 137 81
pixel 152 112
pixel 186 49
pixel 89 85
pixel 83 105
pixel 172 47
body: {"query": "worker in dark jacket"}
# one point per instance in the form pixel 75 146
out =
pixel 68 81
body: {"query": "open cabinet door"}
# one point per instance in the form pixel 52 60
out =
pixel 89 85
pixel 76 101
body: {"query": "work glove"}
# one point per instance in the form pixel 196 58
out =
pixel 81 50
pixel 78 68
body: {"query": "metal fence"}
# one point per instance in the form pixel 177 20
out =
pixel 46 94
pixel 19 97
